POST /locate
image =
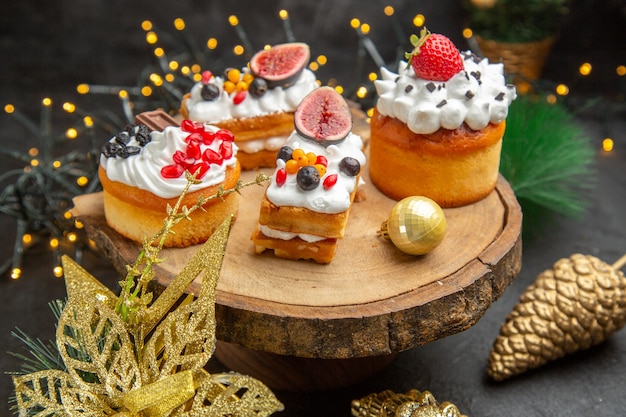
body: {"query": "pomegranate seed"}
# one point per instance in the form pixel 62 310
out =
pixel 239 97
pixel 226 150
pixel 194 137
pixel 208 137
pixel 191 126
pixel 330 181
pixel 321 159
pixel 181 158
pixel 206 76
pixel 211 157
pixel 193 150
pixel 281 176
pixel 172 171
pixel 201 168
pixel 225 135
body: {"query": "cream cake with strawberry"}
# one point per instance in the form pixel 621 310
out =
pixel 306 206
pixel 437 127
pixel 256 103
pixel 142 172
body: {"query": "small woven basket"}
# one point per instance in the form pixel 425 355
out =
pixel 522 61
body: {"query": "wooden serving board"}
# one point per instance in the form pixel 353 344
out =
pixel 370 300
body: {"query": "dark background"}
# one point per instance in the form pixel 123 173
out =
pixel 47 48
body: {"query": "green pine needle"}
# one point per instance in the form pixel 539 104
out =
pixel 546 157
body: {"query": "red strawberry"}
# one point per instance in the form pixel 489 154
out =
pixel 435 57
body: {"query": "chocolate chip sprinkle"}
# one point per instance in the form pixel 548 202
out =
pixel 442 103
pixel 499 97
pixel 431 87
pixel 408 88
pixel 469 94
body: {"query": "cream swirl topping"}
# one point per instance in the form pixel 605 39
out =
pixel 274 100
pixel 143 170
pixel 478 95
pixel 334 200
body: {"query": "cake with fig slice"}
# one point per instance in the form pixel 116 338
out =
pixel 142 171
pixel 257 102
pixel 437 126
pixel 305 208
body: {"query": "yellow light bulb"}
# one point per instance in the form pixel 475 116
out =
pixel 585 69
pixel 78 224
pixel 56 164
pixel 33 152
pixel 238 50
pixel 169 78
pixel 361 92
pixel 372 76
pixel 82 181
pixel 69 107
pixel 88 121
pixel 196 68
pixel 551 99
pixel 365 28
pixel 355 23
pixel 388 10
pixel 322 60
pixel 9 108
pixel 283 14
pixel 47 102
pixel 179 24
pixel 562 90
pixel 54 243
pixel 58 271
pixel 34 162
pixel 146 25
pixel 152 37
pixel 173 65
pixel 467 33
pixel 71 133
pixel 72 237
pixel 607 144
pixel 313 66
pixel 211 43
pixel 82 88
pixel 67 215
pixel 16 273
pixel 339 89
pixel 146 91
pixel 419 20
pixel 159 52
pixel 621 70
pixel 233 20
pixel 370 112
pixel 123 94
pixel 27 238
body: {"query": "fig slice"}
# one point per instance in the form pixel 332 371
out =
pixel 323 116
pixel 282 64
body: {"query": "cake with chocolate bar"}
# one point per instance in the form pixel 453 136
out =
pixel 305 208
pixel 437 127
pixel 142 171
pixel 257 102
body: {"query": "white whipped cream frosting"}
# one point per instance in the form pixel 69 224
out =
pixel 331 201
pixel 144 169
pixel 478 95
pixel 274 100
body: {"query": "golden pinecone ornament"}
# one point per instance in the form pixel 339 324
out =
pixel 578 303
pixel 412 404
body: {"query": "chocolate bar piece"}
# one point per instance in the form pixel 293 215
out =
pixel 155 120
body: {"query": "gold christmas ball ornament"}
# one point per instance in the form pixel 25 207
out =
pixel 416 225
pixel 411 404
pixel 578 303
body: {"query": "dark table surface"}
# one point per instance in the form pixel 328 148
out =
pixel 47 49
